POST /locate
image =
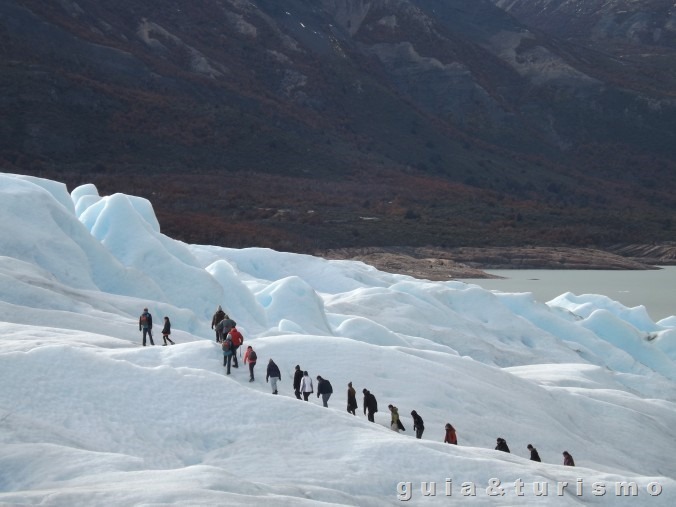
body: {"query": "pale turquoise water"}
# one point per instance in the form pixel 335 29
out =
pixel 656 290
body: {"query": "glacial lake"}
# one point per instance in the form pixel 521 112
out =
pixel 654 289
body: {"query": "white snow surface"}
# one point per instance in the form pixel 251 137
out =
pixel 90 417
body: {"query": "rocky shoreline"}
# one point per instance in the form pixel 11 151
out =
pixel 468 262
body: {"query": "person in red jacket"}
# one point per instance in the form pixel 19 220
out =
pixel 250 357
pixel 237 341
pixel 451 437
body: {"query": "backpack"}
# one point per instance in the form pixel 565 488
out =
pixel 144 319
pixel 252 356
pixel 227 347
pixel 236 336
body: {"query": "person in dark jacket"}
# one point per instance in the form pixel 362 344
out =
pixel 451 437
pixel 502 445
pixel 418 424
pixel 166 331
pixel 568 459
pixel 370 404
pixel 297 377
pixel 145 324
pixel 228 351
pixel 351 399
pixel 225 326
pixel 274 375
pixel 215 320
pixel 325 389
pixel 534 456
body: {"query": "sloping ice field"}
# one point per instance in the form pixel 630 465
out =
pixel 90 417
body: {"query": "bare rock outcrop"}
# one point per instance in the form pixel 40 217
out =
pixel 469 262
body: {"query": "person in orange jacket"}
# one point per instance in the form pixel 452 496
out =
pixel 250 357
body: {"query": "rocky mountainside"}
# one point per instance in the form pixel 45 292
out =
pixel 330 123
pixel 626 23
pixel 638 34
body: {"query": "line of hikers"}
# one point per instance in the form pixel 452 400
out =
pixel 302 386
pixel 534 456
pixel 231 340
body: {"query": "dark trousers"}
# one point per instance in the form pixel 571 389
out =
pixel 297 393
pixel 370 416
pixel 226 362
pixel 419 431
pixel 234 357
pixel 251 367
pixel 306 395
pixel 149 332
pixel 352 410
pixel 166 339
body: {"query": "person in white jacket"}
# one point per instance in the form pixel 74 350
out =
pixel 306 386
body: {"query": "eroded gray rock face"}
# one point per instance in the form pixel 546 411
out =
pixel 632 22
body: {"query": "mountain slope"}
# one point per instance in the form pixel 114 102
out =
pixel 446 108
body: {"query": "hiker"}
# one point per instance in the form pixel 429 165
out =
pixel 215 320
pixel 418 424
pixel 395 422
pixel 306 386
pixel 451 437
pixel 325 389
pixel 370 404
pixel 274 375
pixel 534 456
pixel 297 378
pixel 568 459
pixel 145 324
pixel 228 348
pixel 502 445
pixel 351 399
pixel 225 326
pixel 237 341
pixel 166 331
pixel 250 357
